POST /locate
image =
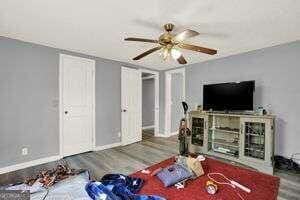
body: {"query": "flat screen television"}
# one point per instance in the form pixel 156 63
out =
pixel 235 96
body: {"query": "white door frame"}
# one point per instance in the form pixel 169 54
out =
pixel 61 108
pixel 168 95
pixel 156 103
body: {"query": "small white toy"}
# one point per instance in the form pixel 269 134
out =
pixel 200 158
pixel 145 171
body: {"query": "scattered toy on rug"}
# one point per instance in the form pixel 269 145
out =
pixel 180 185
pixel 145 171
pixel 221 179
pixel 200 158
pixel 211 187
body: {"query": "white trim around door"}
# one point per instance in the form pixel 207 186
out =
pixel 168 95
pixel 156 115
pixel 91 64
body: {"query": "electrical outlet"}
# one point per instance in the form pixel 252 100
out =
pixel 24 151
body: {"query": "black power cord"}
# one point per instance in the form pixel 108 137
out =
pixel 289 164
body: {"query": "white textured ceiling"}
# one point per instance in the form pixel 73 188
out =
pixel 98 27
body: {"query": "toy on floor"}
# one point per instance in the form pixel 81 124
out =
pixel 180 185
pixel 145 171
pixel 211 187
pixel 200 158
pixel 227 181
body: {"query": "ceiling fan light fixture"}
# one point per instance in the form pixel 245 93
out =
pixel 175 53
pixel 165 53
pixel 168 42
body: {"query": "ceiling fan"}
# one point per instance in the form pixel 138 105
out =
pixel 169 43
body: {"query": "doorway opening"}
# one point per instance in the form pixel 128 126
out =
pixel 150 103
pixel 175 94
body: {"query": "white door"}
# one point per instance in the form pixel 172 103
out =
pixel 77 97
pixel 131 105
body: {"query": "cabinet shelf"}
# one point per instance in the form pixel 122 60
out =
pixel 225 143
pixel 224 131
pixel 255 135
pixel 219 153
pixel 252 149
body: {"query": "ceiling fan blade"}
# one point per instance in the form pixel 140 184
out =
pixel 185 34
pixel 181 60
pixel 140 40
pixel 147 53
pixel 197 48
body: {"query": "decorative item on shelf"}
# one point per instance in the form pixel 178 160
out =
pixel 261 111
pixel 199 108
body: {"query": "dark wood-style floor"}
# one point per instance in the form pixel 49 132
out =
pixel 130 158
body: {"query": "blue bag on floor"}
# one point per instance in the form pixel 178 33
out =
pixel 118 187
pixel 132 183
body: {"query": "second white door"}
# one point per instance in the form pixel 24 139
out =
pixel 131 108
pixel 77 110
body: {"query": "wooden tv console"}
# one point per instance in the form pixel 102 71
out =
pixel 243 138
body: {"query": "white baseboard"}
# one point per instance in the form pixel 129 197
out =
pixel 166 135
pixel 108 146
pixel 29 164
pixel 147 127
pixel 162 135
pixel 174 133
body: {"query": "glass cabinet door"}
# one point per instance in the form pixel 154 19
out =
pixel 255 139
pixel 198 126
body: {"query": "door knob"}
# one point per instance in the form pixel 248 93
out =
pixel 66 112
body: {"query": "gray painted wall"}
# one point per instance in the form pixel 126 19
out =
pixel 148 102
pixel 276 72
pixel 28 87
pixel 176 98
pixel 29 93
pixel 162 102
pixel 108 102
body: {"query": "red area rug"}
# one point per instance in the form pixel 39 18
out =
pixel 263 186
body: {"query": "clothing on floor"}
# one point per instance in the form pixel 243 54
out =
pixel 133 184
pixel 118 187
pixel 49 177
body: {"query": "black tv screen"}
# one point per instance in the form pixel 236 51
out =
pixel 229 96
